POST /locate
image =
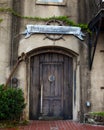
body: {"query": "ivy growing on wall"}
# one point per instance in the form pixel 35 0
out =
pixel 65 19
pixel 1 20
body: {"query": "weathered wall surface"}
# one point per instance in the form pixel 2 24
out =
pixel 84 17
pixel 82 14
pixel 97 77
pixel 12 45
pixel 91 81
pixel 17 6
pixel 70 42
pixel 5 40
pixel 86 10
pixel 84 79
pixel 33 9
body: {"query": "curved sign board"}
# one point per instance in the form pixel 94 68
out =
pixel 51 29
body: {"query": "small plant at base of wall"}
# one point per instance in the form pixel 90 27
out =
pixel 95 118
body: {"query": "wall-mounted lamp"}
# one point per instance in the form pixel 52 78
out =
pixel 88 104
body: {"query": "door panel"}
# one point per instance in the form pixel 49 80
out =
pixel 54 72
pixel 51 74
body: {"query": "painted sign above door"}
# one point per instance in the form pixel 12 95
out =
pixel 51 29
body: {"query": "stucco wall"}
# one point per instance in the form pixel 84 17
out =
pixel 37 40
pixel 77 11
pixel 69 42
pixel 5 41
pixel 97 77
pixel 33 9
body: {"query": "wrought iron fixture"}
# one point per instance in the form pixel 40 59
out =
pixel 102 3
pixel 93 38
pixel 97 6
pixel 99 3
pixel 96 26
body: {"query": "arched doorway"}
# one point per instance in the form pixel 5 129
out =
pixel 51 86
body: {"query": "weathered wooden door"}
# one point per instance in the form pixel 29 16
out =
pixel 51 86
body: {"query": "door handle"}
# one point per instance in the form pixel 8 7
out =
pixel 41 99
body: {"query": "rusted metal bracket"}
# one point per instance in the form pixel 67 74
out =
pixel 21 58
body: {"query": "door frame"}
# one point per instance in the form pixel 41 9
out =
pixel 57 50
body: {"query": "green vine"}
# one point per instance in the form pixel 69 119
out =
pixel 1 20
pixel 65 19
